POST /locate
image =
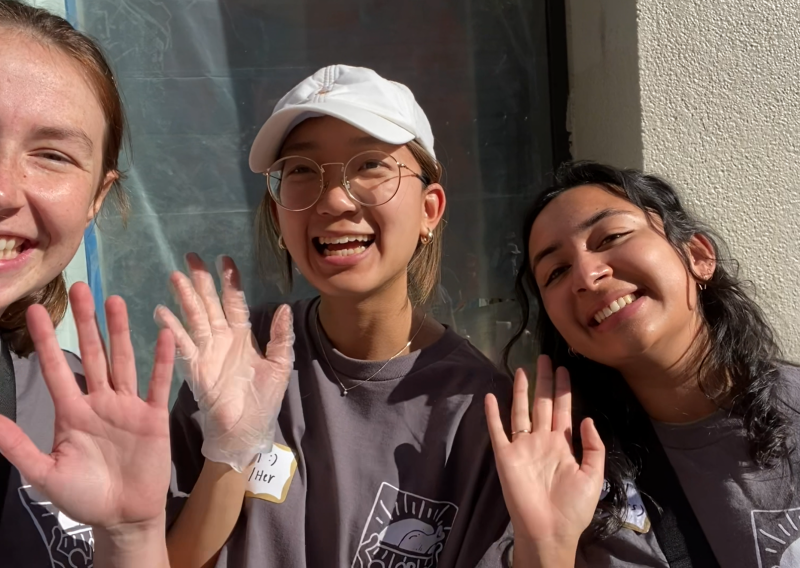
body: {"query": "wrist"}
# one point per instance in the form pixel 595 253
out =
pixel 132 544
pixel 233 453
pixel 544 553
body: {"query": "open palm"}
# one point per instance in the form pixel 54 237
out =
pixel 110 462
pixel 550 496
pixel 238 389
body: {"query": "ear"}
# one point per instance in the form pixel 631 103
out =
pixel 702 258
pixel 102 193
pixel 433 206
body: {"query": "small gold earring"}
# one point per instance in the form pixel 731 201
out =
pixel 281 244
pixel 428 239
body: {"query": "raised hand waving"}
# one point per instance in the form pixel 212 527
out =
pixel 238 389
pixel 110 462
pixel 551 498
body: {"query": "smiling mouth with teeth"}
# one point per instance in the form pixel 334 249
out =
pixel 345 245
pixel 11 248
pixel 614 307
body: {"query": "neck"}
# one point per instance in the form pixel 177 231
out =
pixel 372 328
pixel 666 381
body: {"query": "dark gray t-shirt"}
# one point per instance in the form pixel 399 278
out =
pixel 751 518
pixel 400 472
pixel 33 533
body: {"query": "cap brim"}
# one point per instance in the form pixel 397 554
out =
pixel 269 140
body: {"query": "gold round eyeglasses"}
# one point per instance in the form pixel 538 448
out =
pixel 370 178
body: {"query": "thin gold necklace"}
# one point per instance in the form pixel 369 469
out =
pixel 345 389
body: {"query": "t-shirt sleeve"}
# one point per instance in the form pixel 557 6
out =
pixel 499 554
pixel 186 440
pixel 76 367
pixel 490 514
pixel 624 549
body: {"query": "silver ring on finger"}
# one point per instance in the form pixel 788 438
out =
pixel 526 431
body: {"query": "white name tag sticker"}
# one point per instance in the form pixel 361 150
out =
pixel 271 474
pixel 636 517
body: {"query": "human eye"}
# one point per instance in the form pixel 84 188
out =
pixel 54 156
pixel 373 165
pixel 613 237
pixel 555 274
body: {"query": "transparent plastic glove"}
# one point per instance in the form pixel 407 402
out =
pixel 238 389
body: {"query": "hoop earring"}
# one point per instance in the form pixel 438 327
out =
pixel 702 286
pixel 571 352
pixel 281 244
pixel 427 239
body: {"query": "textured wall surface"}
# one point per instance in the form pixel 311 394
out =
pixel 719 115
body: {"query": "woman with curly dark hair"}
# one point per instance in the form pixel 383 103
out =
pixel 688 415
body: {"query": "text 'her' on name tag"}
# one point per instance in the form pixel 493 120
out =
pixel 271 474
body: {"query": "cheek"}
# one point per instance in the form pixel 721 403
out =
pixel 62 215
pixel 399 226
pixel 558 307
pixel 294 229
pixel 659 267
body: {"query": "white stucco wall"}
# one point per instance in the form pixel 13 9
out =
pixel 712 103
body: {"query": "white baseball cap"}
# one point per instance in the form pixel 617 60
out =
pixel 359 96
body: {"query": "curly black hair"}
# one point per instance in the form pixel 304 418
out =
pixel 737 369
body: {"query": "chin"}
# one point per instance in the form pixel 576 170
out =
pixel 345 286
pixel 624 351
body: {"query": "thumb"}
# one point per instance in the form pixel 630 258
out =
pixel 18 448
pixel 594 452
pixel 280 349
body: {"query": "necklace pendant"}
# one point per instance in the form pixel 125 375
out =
pixel 344 393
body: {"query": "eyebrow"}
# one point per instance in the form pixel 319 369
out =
pixel 363 141
pixel 65 133
pixel 582 226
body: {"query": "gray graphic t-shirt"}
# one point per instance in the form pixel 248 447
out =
pixel 33 533
pixel 400 472
pixel 751 518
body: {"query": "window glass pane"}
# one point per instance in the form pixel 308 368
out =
pixel 200 77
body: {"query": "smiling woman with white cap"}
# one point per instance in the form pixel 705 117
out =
pixel 378 454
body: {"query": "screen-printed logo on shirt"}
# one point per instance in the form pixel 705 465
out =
pixel 404 530
pixel 777 535
pixel 271 474
pixel 69 543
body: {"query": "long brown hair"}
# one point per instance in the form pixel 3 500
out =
pixel 424 269
pixel 54 31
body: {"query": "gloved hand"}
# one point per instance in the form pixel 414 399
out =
pixel 239 391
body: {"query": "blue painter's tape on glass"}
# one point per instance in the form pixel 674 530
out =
pixel 89 235
pixel 72 12
pixel 93 274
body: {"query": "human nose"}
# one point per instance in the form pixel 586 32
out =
pixel 588 271
pixel 335 200
pixel 11 193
